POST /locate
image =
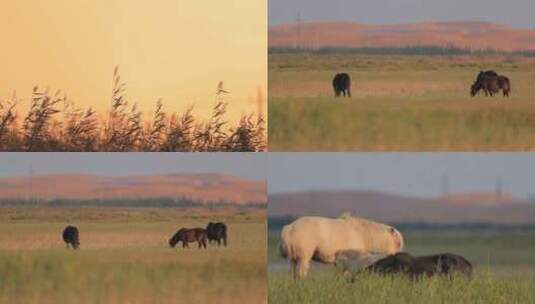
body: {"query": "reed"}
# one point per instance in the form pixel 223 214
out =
pixel 55 123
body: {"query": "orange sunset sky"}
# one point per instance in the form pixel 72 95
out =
pixel 176 50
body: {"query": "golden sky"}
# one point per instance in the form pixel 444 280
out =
pixel 176 50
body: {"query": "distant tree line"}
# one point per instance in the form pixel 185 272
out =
pixel 405 50
pixel 163 202
pixel 276 223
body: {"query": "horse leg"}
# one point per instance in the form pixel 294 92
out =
pixel 293 265
pixel 302 267
pixel 348 92
pixel 225 240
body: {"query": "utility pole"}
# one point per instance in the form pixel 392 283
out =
pixel 297 44
pixel 444 185
pixel 498 188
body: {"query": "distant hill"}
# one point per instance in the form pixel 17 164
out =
pixel 202 187
pixel 468 207
pixel 466 35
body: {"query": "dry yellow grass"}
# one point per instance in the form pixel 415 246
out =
pixel 125 258
pixel 399 103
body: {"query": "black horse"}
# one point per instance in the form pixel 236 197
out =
pixel 217 232
pixel 442 264
pixel 342 85
pixel 70 237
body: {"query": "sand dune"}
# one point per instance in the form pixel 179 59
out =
pixel 469 35
pixel 204 187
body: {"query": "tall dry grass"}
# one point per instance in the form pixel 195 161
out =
pixel 399 103
pixel 55 123
pixel 125 257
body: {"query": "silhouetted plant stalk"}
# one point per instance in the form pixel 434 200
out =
pixel 37 135
pixel 7 123
pixel 54 123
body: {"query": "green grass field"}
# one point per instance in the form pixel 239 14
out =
pixel 125 258
pixel 504 267
pixel 399 103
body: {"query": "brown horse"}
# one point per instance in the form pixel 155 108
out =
pixel 186 235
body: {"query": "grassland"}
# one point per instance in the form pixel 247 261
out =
pixel 125 257
pixel 399 103
pixel 504 264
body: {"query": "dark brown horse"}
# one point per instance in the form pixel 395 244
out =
pixel 439 264
pixel 486 81
pixel 491 83
pixel 342 85
pixel 186 235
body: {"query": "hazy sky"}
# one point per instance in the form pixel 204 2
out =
pixel 245 165
pixel 517 13
pixel 413 174
pixel 172 49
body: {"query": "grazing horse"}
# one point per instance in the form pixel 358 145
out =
pixel 70 237
pixel 486 81
pixel 342 85
pixel 186 235
pixel 491 83
pixel 217 232
pixel 442 264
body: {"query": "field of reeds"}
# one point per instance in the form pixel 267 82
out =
pixel 124 257
pixel 54 123
pixel 503 260
pixel 399 103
